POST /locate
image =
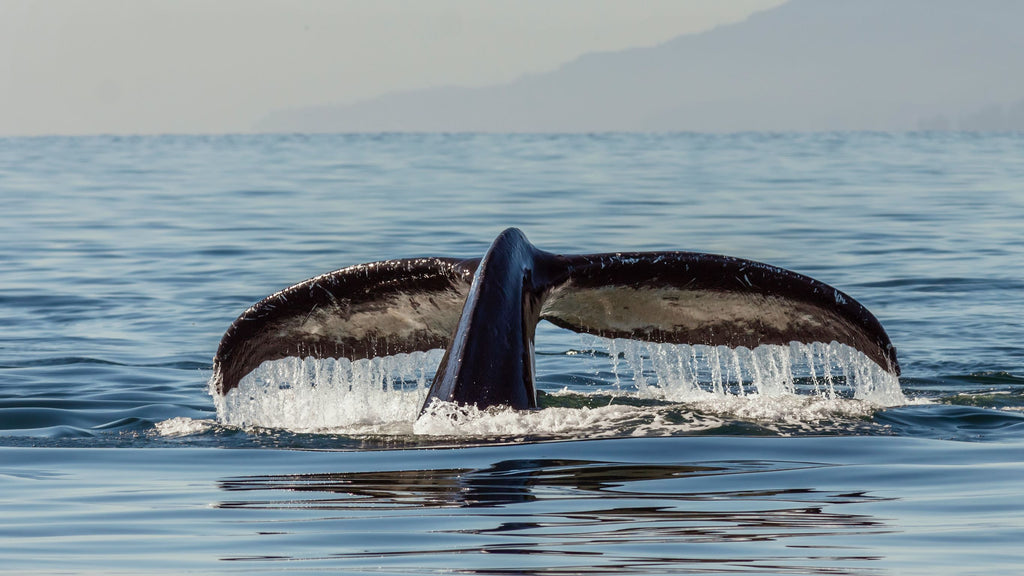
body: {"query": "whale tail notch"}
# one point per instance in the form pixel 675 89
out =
pixel 484 312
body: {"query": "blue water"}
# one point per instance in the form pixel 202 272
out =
pixel 125 259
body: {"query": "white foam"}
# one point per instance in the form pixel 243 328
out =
pixel 449 419
pixel 183 426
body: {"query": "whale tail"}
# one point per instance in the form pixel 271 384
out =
pixel 483 312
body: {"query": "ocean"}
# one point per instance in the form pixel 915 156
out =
pixel 126 258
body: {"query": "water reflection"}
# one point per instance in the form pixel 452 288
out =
pixel 505 482
pixel 545 515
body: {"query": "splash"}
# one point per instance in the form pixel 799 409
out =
pixel 310 395
pixel 180 426
pixel 449 419
pixel 683 373
pixel 631 388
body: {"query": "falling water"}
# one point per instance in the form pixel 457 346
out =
pixel 367 395
pixel 384 395
pixel 683 372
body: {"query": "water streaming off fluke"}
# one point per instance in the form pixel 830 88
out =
pixel 617 387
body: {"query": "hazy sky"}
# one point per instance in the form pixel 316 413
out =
pixel 144 66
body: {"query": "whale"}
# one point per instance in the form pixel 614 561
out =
pixel 484 312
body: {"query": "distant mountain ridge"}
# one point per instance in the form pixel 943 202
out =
pixel 805 65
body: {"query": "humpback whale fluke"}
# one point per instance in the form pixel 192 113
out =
pixel 484 313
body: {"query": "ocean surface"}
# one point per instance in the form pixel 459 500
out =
pixel 124 260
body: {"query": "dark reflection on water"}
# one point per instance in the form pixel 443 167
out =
pixel 623 518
